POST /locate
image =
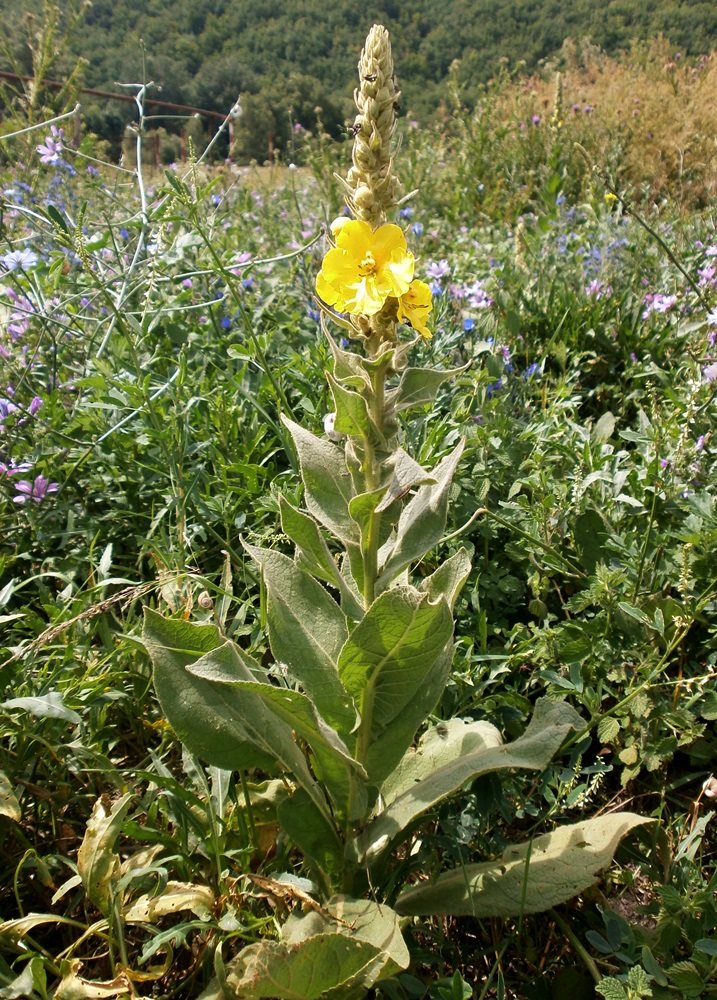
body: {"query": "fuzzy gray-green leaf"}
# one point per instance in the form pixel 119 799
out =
pixel 551 722
pixel 307 630
pixel 328 487
pixel 560 865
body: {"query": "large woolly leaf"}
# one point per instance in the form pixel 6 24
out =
pixel 418 386
pixel 438 747
pixel 422 521
pixel 328 486
pixel 307 630
pixel 196 709
pixel 390 652
pixel 551 722
pixel 333 762
pixel 314 555
pixel 335 954
pixel 528 878
pixel 363 919
pixel 317 840
pixel 388 747
pixel 247 715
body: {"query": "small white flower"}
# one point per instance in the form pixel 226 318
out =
pixel 329 424
pixel 709 788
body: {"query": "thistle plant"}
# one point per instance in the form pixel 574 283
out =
pixel 365 652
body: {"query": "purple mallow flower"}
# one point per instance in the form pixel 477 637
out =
pixel 12 469
pixel 658 303
pixel 36 491
pixel 35 403
pixel 709 373
pixel 598 290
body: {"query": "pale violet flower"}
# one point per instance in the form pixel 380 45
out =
pixel 19 260
pixel 709 372
pixel 438 269
pixel 51 150
pixel 712 318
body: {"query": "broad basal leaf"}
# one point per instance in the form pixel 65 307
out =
pixel 243 721
pixel 337 952
pixel 196 709
pixel 334 764
pixel 551 723
pixel 437 748
pixel 528 878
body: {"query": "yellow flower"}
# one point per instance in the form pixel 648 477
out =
pixel 414 307
pixel 365 268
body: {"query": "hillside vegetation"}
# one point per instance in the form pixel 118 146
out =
pixel 294 56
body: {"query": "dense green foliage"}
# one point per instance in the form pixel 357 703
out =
pixel 297 55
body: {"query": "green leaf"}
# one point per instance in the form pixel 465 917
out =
pixel 707 945
pixel 603 429
pixel 611 989
pixel 244 718
pixel 348 367
pixel 328 487
pixel 405 475
pixel 58 219
pixel 323 966
pixel 438 747
pixel 418 386
pixel 421 523
pixel 98 863
pixel 318 841
pixel 307 630
pixel 359 919
pixel 685 976
pixel 197 710
pixel 352 416
pixel 339 952
pixel 528 878
pixel 334 764
pixel 550 724
pixel 46 706
pixel 447 581
pixel 608 728
pixel 314 555
pixel 387 748
pixel 389 653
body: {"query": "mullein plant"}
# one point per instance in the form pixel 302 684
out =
pixel 364 652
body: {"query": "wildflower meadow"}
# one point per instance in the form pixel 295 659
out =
pixel 357 565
